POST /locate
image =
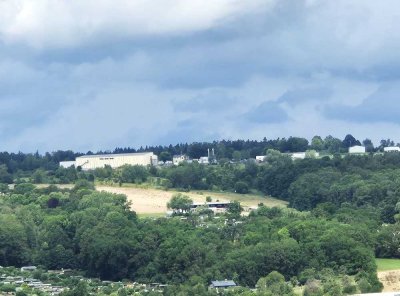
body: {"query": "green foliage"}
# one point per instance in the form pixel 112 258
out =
pixel 83 184
pixel 133 174
pixel 274 284
pixel 7 288
pixel 234 209
pixel 81 289
pixel 241 187
pixel 180 203
pixel 13 241
pixel 325 248
pixel 23 188
pixel 313 288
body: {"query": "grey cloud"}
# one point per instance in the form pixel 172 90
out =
pixel 299 95
pixel 212 101
pixel 192 130
pixel 200 84
pixel 267 112
pixel 381 106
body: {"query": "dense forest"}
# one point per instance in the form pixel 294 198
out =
pixel 344 210
pixel 96 232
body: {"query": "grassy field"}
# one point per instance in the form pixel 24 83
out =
pixel 148 201
pixel 388 264
pixel 244 199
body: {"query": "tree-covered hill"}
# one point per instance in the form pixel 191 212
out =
pixel 96 232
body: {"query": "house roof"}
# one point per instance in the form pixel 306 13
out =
pixel 223 284
pixel 212 203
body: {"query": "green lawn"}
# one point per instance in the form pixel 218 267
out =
pixel 388 264
pixel 249 199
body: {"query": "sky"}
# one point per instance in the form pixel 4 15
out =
pixel 95 75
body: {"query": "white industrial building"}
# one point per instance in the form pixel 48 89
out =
pixel 67 164
pixel 391 149
pixel 91 162
pixel 357 150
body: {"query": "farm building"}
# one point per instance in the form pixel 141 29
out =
pixel 216 207
pixel 391 149
pixel 222 284
pixel 91 162
pixel 357 150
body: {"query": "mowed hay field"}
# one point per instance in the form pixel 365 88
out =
pixel 389 274
pixel 148 201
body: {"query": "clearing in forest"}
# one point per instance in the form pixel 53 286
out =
pixel 149 201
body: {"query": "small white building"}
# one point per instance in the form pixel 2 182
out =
pixel 177 159
pixel 67 164
pixel 260 158
pixel 303 155
pixel 392 149
pixel 357 150
pixel 204 160
pixel 298 155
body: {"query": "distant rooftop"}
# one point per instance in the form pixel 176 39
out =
pixel 211 203
pixel 115 155
pixel 223 284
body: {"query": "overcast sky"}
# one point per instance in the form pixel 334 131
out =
pixel 95 75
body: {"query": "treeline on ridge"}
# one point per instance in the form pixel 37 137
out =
pixel 224 150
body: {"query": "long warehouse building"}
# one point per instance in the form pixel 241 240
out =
pixel 91 162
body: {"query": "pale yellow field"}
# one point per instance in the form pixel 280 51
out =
pixel 153 201
pixel 390 280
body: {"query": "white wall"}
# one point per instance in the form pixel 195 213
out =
pixel 391 149
pixel 67 164
pixel 90 162
pixel 357 149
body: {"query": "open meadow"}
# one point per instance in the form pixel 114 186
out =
pixel 153 202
